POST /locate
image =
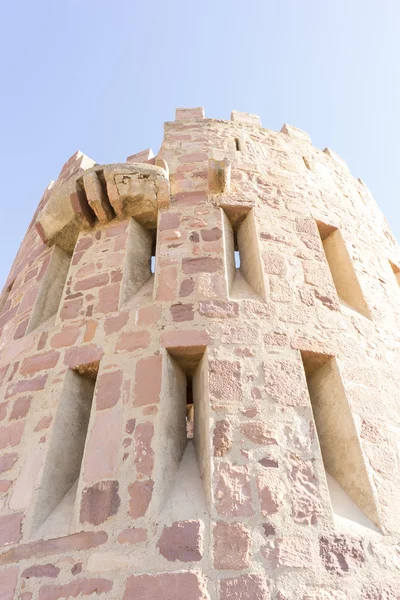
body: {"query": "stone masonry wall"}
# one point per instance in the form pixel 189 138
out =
pixel 101 493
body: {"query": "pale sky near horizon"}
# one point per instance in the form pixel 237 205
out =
pixel 102 77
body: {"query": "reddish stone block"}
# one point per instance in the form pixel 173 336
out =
pixel 21 407
pixel 108 389
pixel 91 327
pixel 285 382
pixel 7 461
pixel 270 497
pixel 8 583
pixel 133 340
pixel 222 440
pixel 140 493
pixel 41 548
pixel 166 586
pixel 182 312
pixel 11 435
pixel 149 315
pixel 341 554
pixel 289 552
pixel 148 380
pixel 201 264
pixel 231 546
pixel 71 309
pixel 83 244
pixel 10 528
pixel 26 385
pixel 210 235
pixel 167 279
pixel 92 282
pixel 144 454
pixel 115 323
pixel 258 433
pixel 39 362
pixel 82 356
pixel 44 423
pixel 86 587
pixel 132 535
pixel 244 587
pixel 48 570
pixel 68 336
pixel 99 502
pixel 187 288
pixel 225 384
pixel 169 221
pixel 218 309
pixel 21 329
pixel 185 339
pixel 108 298
pixel 233 495
pixel 181 541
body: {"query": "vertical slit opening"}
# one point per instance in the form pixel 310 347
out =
pixel 352 500
pixel 342 270
pixel 307 164
pixel 56 495
pixel 189 408
pixel 183 469
pixel 153 254
pixel 237 145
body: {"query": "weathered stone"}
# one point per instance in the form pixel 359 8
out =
pixel 181 541
pixel 99 502
pixel 133 535
pixel 244 587
pixel 86 587
pixel 108 389
pixel 341 554
pixel 233 491
pixel 140 493
pixel 222 439
pixel 166 586
pixel 231 546
pixel 48 570
pixel 10 529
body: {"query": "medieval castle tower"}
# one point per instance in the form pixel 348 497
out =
pixel 199 367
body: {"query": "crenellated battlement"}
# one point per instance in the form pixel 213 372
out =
pixel 198 373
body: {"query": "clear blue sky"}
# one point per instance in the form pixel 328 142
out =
pixel 103 76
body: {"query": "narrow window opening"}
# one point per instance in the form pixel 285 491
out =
pixel 140 261
pixel 352 500
pixel 189 408
pixel 153 255
pixel 307 164
pixel 237 145
pixel 245 278
pixel 396 271
pixel 51 289
pixel 236 251
pixel 55 498
pixel 342 270
pixel 184 471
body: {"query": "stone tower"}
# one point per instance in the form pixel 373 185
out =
pixel 199 361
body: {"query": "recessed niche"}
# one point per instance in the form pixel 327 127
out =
pixel 242 254
pixel 348 482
